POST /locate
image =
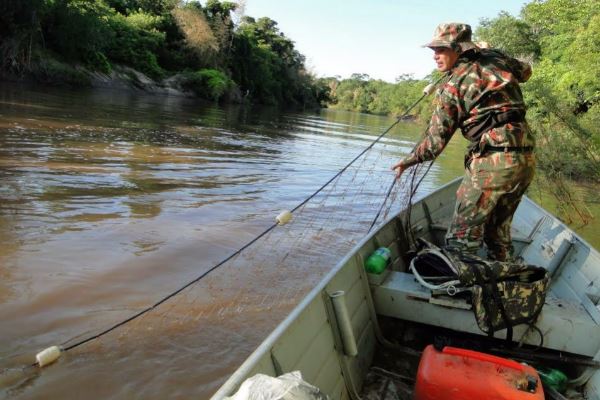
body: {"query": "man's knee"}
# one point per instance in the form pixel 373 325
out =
pixel 498 241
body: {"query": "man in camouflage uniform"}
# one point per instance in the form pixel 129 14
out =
pixel 481 96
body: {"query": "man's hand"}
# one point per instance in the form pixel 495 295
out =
pixel 399 168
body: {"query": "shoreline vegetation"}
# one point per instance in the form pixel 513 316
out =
pixel 211 50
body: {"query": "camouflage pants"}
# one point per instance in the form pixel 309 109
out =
pixel 487 200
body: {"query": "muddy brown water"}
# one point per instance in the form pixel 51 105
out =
pixel 110 201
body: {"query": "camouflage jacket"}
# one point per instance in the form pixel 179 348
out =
pixel 482 81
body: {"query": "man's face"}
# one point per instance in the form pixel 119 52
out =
pixel 444 58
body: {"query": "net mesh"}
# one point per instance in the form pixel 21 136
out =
pixel 320 233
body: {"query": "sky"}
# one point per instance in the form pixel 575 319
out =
pixel 381 38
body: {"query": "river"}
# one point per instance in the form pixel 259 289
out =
pixel 110 201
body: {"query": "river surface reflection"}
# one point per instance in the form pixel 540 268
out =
pixel 110 201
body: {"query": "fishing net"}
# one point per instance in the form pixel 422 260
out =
pixel 231 306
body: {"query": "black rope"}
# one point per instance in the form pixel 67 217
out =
pixel 169 296
pixel 164 299
pixel 413 190
pixel 389 192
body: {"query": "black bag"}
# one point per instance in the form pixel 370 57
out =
pixel 503 294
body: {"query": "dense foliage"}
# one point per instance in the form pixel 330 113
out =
pixel 360 93
pixel 51 39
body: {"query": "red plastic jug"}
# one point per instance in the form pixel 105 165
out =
pixel 461 374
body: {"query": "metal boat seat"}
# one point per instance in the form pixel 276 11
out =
pixel 566 324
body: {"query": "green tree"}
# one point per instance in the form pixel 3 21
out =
pixel 153 7
pixel 21 32
pixel 208 83
pixel 583 58
pixel 363 94
pixel 135 42
pixel 78 29
pixel 267 67
pixel 512 35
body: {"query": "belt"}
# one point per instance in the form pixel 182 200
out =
pixel 507 149
pixel 492 120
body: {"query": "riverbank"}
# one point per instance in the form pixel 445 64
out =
pixel 52 72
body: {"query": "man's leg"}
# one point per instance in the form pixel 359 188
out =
pixel 492 185
pixel 497 235
pixel 473 206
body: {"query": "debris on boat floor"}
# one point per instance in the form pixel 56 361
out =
pixel 392 375
pixel 381 384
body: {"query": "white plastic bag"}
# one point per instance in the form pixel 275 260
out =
pixel 288 386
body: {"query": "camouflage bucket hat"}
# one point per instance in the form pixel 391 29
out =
pixel 453 35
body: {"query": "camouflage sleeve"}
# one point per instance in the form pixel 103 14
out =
pixel 442 126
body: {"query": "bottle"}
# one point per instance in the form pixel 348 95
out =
pixel 554 378
pixel 376 262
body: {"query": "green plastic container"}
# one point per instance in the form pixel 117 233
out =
pixel 554 378
pixel 376 262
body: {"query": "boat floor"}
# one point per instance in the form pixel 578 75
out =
pixel 390 378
